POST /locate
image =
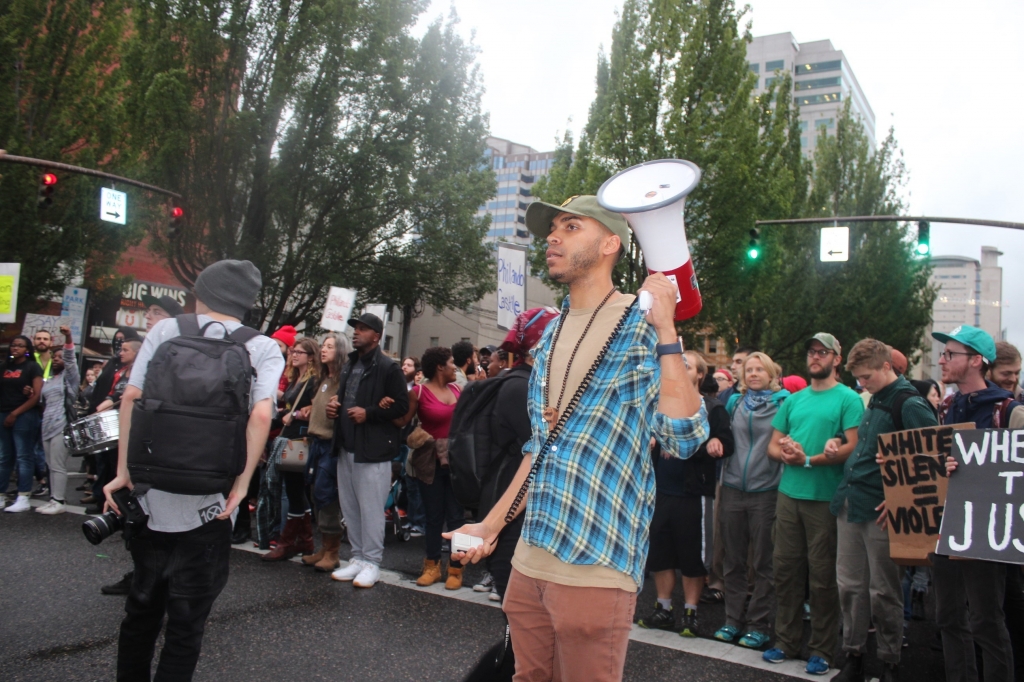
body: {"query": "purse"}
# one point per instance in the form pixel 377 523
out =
pixel 294 456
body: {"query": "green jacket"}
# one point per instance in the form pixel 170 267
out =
pixel 861 486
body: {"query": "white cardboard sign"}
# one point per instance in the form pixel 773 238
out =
pixel 338 309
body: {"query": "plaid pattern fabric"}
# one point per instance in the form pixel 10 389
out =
pixel 592 500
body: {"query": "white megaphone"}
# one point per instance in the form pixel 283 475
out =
pixel 650 197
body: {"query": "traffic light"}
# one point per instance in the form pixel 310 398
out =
pixel 174 227
pixel 47 183
pixel 754 247
pixel 924 238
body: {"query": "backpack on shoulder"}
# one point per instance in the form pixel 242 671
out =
pixel 473 451
pixel 188 429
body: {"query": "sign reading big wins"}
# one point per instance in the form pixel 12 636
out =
pixel 132 310
pixel 984 516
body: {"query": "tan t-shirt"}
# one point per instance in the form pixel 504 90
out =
pixel 319 425
pixel 534 561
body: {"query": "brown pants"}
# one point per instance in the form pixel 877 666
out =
pixel 562 633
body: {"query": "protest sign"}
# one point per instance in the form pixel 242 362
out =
pixel 47 323
pixel 914 479
pixel 10 274
pixel 337 309
pixel 984 516
pixel 511 283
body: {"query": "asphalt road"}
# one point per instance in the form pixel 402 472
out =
pixel 281 621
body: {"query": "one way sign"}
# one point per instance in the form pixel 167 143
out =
pixel 835 244
pixel 113 206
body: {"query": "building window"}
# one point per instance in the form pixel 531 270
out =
pixel 801 69
pixel 816 83
pixel 778 64
pixel 435 341
pixel 525 191
pixel 712 346
pixel 465 338
pixel 808 100
pixel 803 126
pixel 754 67
pixel 825 123
pixel 768 82
pixel 803 140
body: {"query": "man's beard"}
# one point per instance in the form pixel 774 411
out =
pixel 580 263
pixel 824 373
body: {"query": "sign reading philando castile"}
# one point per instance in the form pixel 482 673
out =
pixel 984 515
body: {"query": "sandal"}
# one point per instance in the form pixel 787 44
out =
pixel 753 640
pixel 726 633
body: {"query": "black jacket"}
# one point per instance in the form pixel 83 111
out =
pixel 695 477
pixel 512 430
pixel 376 439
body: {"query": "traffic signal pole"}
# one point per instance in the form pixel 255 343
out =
pixel 57 166
pixel 892 218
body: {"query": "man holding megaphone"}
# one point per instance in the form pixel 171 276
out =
pixel 607 376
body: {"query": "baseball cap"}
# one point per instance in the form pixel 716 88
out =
pixel 540 214
pixel 827 340
pixel 166 302
pixel 370 320
pixel 976 339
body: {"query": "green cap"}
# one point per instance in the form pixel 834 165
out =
pixel 976 339
pixel 827 340
pixel 540 214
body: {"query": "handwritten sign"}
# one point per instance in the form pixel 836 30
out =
pixel 914 479
pixel 511 283
pixel 10 274
pixel 47 323
pixel 984 516
pixel 337 309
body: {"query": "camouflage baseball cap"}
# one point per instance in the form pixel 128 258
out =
pixel 540 214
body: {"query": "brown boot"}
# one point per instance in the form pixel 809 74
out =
pixel 431 573
pixel 329 561
pixel 454 581
pixel 286 547
pixel 312 559
pixel 304 535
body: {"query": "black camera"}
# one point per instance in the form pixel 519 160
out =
pixel 134 519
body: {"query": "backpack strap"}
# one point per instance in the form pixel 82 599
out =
pixel 896 411
pixel 188 324
pixel 945 406
pixel 243 334
pixel 734 401
pixel 1001 413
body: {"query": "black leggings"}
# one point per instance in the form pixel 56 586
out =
pixel 295 489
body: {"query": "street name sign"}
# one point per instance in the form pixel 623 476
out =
pixel 835 244
pixel 113 206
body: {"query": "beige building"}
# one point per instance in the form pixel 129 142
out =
pixel 969 292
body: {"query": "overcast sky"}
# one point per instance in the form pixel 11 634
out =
pixel 949 76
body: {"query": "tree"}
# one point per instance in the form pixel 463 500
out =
pixel 320 140
pixel 60 99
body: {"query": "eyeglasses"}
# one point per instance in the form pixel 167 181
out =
pixel 818 352
pixel 948 354
pixel 296 351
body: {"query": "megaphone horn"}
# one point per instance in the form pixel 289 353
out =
pixel 651 196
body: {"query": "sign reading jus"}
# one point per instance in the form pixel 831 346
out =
pixel 984 517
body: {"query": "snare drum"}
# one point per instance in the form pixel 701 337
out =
pixel 95 433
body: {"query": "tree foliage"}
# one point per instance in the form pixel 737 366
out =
pixel 319 139
pixel 676 84
pixel 60 93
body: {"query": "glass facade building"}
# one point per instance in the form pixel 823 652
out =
pixel 517 167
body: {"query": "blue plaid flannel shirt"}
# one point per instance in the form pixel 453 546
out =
pixel 592 500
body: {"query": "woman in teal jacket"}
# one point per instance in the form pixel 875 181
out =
pixel 750 481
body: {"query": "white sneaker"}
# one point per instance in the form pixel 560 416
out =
pixel 21 505
pixel 367 577
pixel 3 500
pixel 486 584
pixel 51 508
pixel 348 573
pixel 494 596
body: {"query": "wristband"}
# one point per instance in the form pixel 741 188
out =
pixel 807 462
pixel 668 349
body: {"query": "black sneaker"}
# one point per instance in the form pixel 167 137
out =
pixel 42 491
pixel 891 673
pixel 121 587
pixel 852 670
pixel 689 624
pixel 661 619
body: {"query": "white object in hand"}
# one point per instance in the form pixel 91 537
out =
pixel 462 542
pixel 646 301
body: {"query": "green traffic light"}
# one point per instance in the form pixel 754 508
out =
pixel 923 248
pixel 753 253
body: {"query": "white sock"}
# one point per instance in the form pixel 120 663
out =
pixel 690 607
pixel 665 603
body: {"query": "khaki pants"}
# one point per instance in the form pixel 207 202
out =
pixel 869 589
pixel 805 551
pixel 561 633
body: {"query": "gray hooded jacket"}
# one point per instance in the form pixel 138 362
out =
pixel 750 469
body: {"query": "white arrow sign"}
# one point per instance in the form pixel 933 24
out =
pixel 835 244
pixel 113 206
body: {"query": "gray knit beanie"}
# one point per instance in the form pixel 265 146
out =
pixel 229 287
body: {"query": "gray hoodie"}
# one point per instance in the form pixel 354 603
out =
pixel 750 469
pixel 59 388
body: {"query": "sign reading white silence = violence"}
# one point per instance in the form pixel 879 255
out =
pixel 984 515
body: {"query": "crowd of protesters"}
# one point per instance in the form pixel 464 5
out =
pixel 779 513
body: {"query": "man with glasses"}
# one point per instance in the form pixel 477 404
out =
pixel 969 594
pixel 805 529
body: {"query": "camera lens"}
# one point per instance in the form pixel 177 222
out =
pixel 99 528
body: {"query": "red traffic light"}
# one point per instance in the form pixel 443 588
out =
pixel 177 212
pixel 49 179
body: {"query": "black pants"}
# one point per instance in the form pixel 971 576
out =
pixel 295 489
pixel 439 500
pixel 1014 608
pixel 180 575
pixel 969 606
pixel 106 469
pixel 499 562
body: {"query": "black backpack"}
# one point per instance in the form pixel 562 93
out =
pixel 188 429
pixel 896 411
pixel 474 453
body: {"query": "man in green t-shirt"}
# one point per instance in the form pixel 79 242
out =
pixel 805 529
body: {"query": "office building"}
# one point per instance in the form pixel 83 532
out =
pixel 823 82
pixel 969 292
pixel 517 168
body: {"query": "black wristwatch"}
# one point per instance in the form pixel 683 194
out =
pixel 669 349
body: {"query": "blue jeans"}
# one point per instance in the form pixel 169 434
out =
pixel 18 444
